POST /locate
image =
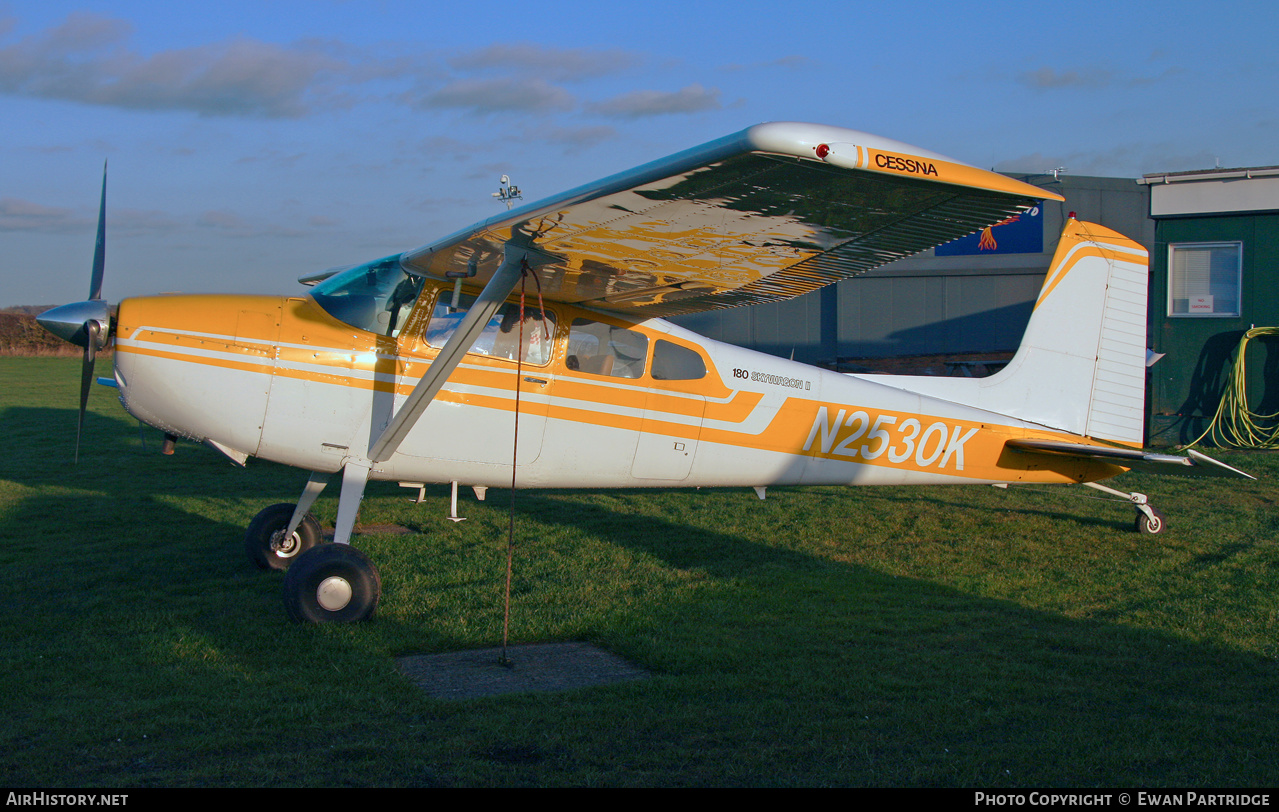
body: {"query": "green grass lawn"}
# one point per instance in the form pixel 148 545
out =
pixel 934 636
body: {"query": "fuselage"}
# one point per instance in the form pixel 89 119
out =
pixel 602 401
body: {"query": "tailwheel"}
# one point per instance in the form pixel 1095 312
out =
pixel 1151 525
pixel 1150 522
pixel 332 583
pixel 268 547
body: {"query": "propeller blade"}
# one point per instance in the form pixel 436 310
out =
pixel 100 248
pixel 86 324
pixel 92 328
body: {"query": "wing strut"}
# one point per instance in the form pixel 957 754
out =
pixel 514 261
pixel 355 472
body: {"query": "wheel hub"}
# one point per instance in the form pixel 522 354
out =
pixel 334 593
pixel 283 546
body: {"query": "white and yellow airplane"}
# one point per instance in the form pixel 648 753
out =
pixel 420 367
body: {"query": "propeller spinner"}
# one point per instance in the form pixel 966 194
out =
pixel 86 324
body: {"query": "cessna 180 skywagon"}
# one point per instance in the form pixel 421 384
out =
pixel 429 366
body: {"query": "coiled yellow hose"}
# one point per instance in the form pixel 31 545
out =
pixel 1235 425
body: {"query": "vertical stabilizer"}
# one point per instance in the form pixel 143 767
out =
pixel 1090 319
pixel 1081 364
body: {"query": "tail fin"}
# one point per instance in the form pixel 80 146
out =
pixel 1081 364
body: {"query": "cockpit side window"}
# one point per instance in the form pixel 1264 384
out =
pixel 501 336
pixel 376 296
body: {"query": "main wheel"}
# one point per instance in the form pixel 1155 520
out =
pixel 264 541
pixel 1151 527
pixel 332 583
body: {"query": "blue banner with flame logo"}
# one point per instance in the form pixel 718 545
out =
pixel 1020 234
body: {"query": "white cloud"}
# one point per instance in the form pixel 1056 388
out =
pixel 508 94
pixel 790 62
pixel 274 157
pixel 1052 79
pixel 1047 78
pixel 576 137
pixel 1125 161
pixel 93 59
pixel 641 103
pixel 555 64
pixel 234 225
pixel 24 215
pixel 88 59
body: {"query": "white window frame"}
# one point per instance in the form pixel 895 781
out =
pixel 1176 285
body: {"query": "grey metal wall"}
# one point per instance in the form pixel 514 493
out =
pixel 930 305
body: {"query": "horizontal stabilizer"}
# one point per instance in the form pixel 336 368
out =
pixel 1196 465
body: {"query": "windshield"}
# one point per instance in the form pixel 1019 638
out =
pixel 376 296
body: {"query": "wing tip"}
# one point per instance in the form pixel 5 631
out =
pixel 860 150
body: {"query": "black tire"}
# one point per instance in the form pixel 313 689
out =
pixel 1151 527
pixel 332 583
pixel 264 541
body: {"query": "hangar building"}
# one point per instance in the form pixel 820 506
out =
pixel 960 309
pixel 965 301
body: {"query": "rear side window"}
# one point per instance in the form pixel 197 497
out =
pixel 602 349
pixel 671 362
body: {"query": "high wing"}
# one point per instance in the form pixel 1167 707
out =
pixel 1196 465
pixel 772 212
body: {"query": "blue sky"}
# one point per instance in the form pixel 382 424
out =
pixel 250 143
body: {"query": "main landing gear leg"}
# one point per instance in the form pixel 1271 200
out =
pixel 1149 521
pixel 336 583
